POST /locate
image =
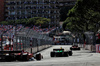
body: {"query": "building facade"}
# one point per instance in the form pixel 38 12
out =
pixel 20 9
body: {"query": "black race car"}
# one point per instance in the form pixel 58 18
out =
pixel 74 47
pixel 60 53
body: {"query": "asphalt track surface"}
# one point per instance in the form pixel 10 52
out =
pixel 79 58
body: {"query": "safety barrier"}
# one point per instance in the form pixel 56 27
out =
pixel 98 48
pixel 37 49
pixel 29 40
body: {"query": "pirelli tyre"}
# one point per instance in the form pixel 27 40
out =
pixel 52 54
pixel 71 48
pixel 78 48
pixel 38 56
pixel 9 58
pixel 19 57
pixel 70 53
pixel 66 54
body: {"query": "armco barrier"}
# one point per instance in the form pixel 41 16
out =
pixel 36 49
pixel 98 48
pixel 86 47
pixel 89 47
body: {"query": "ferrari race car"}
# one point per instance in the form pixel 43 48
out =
pixel 60 53
pixel 22 56
pixel 74 47
pixel 25 56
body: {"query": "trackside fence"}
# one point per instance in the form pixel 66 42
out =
pixel 31 41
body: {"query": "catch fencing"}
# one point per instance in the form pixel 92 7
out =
pixel 26 39
pixel 29 40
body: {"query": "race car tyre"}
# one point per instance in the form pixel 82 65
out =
pixel 70 53
pixel 70 48
pixel 52 54
pixel 9 58
pixel 38 56
pixel 79 48
pixel 19 57
pixel 66 54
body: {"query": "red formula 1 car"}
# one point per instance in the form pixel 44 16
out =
pixel 74 47
pixel 23 56
pixel 15 55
